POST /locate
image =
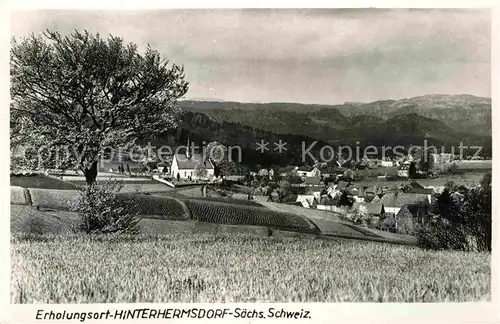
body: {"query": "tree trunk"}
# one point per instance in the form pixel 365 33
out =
pixel 90 173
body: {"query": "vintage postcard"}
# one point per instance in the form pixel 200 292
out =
pixel 249 156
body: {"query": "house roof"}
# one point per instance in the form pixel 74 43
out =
pixel 415 210
pixel 372 208
pixel 415 185
pixel 425 191
pixel 342 185
pixel 404 212
pixel 306 168
pixel 376 199
pixel 305 197
pixel 185 163
pixel 399 199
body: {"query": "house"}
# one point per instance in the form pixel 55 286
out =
pixel 372 209
pixel 307 201
pixel 416 188
pixel 308 172
pixel 394 201
pixel 184 165
pixel 436 189
pixel 333 192
pixel 440 158
pixel 387 163
pixel 404 220
pixel 404 170
pixel 317 195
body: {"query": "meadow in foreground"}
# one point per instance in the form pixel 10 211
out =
pixel 232 268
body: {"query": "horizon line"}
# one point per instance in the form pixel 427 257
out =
pixel 329 104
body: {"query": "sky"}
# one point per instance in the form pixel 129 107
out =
pixel 323 56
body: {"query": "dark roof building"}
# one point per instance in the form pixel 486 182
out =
pixel 399 199
pixel 423 191
pixel 371 208
pixel 313 181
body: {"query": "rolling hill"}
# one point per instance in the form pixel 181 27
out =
pixel 458 112
pixel 441 120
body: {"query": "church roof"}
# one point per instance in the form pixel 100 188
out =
pixel 190 163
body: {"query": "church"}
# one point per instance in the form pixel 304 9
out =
pixel 184 165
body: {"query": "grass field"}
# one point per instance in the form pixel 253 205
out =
pixel 238 268
pixel 466 179
pixel 41 181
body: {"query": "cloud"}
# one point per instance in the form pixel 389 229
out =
pixel 306 55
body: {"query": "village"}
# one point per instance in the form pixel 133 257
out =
pixel 249 156
pixel 386 194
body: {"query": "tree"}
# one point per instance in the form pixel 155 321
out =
pixel 218 155
pixel 349 174
pixel 200 171
pixel 412 172
pixel 76 95
pixel 293 178
pixel 344 199
pixel 216 152
pixel 464 225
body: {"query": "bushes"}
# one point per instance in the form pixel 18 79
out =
pixel 442 235
pixel 101 211
pixel 462 220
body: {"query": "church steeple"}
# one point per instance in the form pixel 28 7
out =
pixel 188 155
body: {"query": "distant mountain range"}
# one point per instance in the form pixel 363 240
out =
pixel 459 112
pixel 442 120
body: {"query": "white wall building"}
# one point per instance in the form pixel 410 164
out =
pixel 185 165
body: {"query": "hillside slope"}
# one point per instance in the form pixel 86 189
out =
pixel 459 112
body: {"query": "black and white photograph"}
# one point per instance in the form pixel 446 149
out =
pixel 330 155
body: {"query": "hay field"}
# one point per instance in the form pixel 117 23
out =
pixel 232 267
